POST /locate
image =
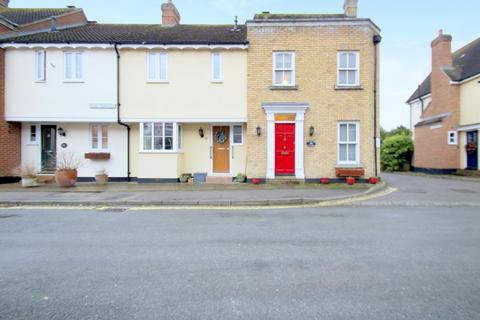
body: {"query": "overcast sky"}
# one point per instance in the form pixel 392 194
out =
pixel 408 26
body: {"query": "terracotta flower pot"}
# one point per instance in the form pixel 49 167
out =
pixel 350 181
pixel 66 178
pixel 101 179
pixel 373 180
pixel 324 180
pixel 256 181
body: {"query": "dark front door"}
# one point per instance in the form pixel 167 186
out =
pixel 285 149
pixel 49 148
pixel 472 156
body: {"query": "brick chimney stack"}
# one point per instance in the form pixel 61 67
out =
pixel 350 7
pixel 170 14
pixel 442 57
pixel 4 3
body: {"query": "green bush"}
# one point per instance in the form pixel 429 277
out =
pixel 397 153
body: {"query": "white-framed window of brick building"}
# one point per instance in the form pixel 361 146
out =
pixel 452 138
pixel 348 69
pixel 349 143
pixel 284 69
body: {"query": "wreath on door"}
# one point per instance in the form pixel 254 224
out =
pixel 221 137
pixel 471 147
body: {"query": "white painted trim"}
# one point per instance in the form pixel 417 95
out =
pixel 54 120
pixel 274 60
pixel 187 120
pixel 299 111
pixel 357 69
pixel 418 99
pixel 454 138
pixel 466 80
pixel 110 46
pixel 305 23
pixel 470 127
pixel 219 54
pixel 357 143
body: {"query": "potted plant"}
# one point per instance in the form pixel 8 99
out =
pixel 240 178
pixel 324 180
pixel 28 175
pixel 184 177
pixel 350 181
pixel 101 178
pixel 67 166
pixel 373 180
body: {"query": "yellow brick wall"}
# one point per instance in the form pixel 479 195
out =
pixel 316 50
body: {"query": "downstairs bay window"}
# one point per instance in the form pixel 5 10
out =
pixel 160 137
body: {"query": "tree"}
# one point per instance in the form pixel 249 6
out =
pixel 397 152
pixel 398 130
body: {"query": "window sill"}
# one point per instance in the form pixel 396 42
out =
pixel 73 81
pixel 40 81
pixel 284 88
pixel 337 87
pixel 159 81
pixel 216 82
pixel 160 152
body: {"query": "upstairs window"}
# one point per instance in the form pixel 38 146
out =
pixel 216 67
pixel 40 65
pixel 73 66
pixel 348 69
pixel 157 67
pixel 348 143
pixel 99 134
pixel 284 69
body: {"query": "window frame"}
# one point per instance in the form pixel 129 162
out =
pixel 233 135
pixel 100 147
pixel 159 79
pixel 356 142
pixel 220 66
pixel 293 69
pixel 175 133
pixel 179 143
pixel 357 69
pixel 75 55
pixel 43 65
pixel 455 138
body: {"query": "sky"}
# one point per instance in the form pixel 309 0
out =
pixel 408 27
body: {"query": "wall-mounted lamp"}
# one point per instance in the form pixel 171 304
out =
pixel 259 131
pixel 311 131
pixel 61 132
pixel 201 133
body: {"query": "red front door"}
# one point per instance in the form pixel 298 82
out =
pixel 285 148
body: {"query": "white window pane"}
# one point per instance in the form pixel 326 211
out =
pixel 287 78
pixel 288 61
pixel 343 132
pixel 278 77
pixel 278 61
pixel 104 137
pixel 158 143
pixel 147 129
pixel 352 77
pixel 158 130
pixel 151 66
pixel 168 129
pixel 352 155
pixel 95 137
pixel 216 66
pixel 342 77
pixel 78 66
pixel 147 143
pixel 352 60
pixel 343 60
pixel 163 66
pixel 40 62
pixel 352 133
pixel 68 66
pixel 343 152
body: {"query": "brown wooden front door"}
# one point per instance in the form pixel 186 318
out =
pixel 221 149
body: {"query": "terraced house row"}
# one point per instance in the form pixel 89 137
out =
pixel 292 95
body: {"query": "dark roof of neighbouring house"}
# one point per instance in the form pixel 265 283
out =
pixel 22 16
pixel 466 64
pixel 139 34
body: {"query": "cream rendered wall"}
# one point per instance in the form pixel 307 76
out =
pixel 416 112
pixel 77 139
pixel 470 102
pixel 189 93
pixel 54 99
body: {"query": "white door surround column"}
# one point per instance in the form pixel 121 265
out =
pixel 299 110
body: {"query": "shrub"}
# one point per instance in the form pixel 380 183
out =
pixel 397 153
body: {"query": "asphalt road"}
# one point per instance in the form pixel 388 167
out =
pixel 382 259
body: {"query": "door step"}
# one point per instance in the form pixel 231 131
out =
pixel 285 180
pixel 218 180
pixel 46 177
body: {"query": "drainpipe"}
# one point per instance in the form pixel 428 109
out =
pixel 118 112
pixel 376 40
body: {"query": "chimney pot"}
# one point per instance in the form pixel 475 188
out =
pixel 350 8
pixel 170 14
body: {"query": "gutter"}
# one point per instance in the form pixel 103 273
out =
pixel 376 40
pixel 119 121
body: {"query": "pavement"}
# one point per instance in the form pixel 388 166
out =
pixel 133 194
